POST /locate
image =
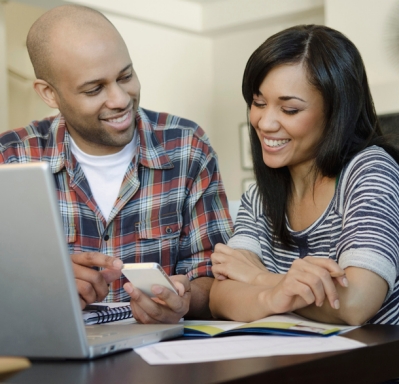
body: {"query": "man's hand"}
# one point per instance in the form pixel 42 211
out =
pixel 93 285
pixel 236 264
pixel 165 307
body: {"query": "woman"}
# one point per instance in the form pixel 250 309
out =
pixel 319 233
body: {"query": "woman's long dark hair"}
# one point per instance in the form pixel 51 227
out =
pixel 335 68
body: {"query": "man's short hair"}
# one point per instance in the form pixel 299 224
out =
pixel 40 39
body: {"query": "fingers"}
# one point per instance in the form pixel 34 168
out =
pixel 219 271
pixel 223 248
pixel 89 292
pixel 334 269
pixel 166 307
pixel 139 301
pixel 111 275
pixel 342 281
pixel 96 259
pixel 181 283
pixel 318 278
pixel 301 289
pixel 220 257
pixel 92 285
pixel 236 264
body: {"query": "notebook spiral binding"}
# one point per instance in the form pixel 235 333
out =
pixel 113 314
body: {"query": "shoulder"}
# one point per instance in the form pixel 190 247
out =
pixel 373 163
pixel 251 201
pixel 371 174
pixel 34 132
pixel 173 127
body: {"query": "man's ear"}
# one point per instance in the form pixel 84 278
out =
pixel 46 92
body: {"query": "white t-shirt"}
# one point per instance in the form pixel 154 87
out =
pixel 105 173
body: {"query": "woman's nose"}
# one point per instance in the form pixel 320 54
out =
pixel 268 120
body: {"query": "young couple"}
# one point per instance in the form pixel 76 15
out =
pixel 318 234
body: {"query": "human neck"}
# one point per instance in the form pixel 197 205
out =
pixel 304 178
pixel 311 195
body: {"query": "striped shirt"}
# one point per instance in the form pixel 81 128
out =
pixel 171 207
pixel 359 228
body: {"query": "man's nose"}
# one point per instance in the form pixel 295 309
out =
pixel 117 97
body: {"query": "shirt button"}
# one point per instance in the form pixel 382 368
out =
pixel 169 230
pixel 106 237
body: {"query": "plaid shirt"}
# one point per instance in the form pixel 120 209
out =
pixel 171 208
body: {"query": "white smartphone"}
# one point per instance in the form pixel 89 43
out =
pixel 144 275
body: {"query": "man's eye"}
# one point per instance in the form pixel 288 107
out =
pixel 94 91
pixel 126 78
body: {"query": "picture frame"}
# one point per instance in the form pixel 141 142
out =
pixel 245 147
pixel 246 183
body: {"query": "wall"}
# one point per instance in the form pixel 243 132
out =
pixel 24 104
pixel 367 23
pixel 3 70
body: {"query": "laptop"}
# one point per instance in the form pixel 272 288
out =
pixel 40 314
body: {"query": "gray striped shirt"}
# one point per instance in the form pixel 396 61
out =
pixel 359 228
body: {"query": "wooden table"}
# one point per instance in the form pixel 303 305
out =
pixel 377 362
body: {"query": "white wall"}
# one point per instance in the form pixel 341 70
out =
pixel 366 23
pixel 3 71
pixel 24 104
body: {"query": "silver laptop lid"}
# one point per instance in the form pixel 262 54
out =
pixel 40 311
pixel 40 314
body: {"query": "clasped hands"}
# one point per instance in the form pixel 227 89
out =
pixel 92 285
pixel 310 280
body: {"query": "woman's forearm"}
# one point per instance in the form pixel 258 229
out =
pixel 360 301
pixel 268 279
pixel 234 300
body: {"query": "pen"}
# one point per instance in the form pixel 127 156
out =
pixel 96 307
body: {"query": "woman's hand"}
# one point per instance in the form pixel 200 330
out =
pixel 309 281
pixel 240 265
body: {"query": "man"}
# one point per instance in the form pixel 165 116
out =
pixel 133 185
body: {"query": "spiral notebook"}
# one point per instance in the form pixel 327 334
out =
pixel 108 313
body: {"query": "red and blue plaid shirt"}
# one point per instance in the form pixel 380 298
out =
pixel 171 208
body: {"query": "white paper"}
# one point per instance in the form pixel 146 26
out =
pixel 238 347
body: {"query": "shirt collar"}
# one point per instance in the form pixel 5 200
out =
pixel 151 153
pixel 57 151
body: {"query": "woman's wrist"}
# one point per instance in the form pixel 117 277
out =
pixel 267 279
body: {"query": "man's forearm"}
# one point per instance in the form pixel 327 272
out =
pixel 199 304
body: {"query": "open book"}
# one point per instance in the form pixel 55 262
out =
pixel 107 312
pixel 287 324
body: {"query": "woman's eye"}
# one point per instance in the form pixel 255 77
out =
pixel 290 111
pixel 258 104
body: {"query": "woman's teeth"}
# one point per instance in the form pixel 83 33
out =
pixel 275 143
